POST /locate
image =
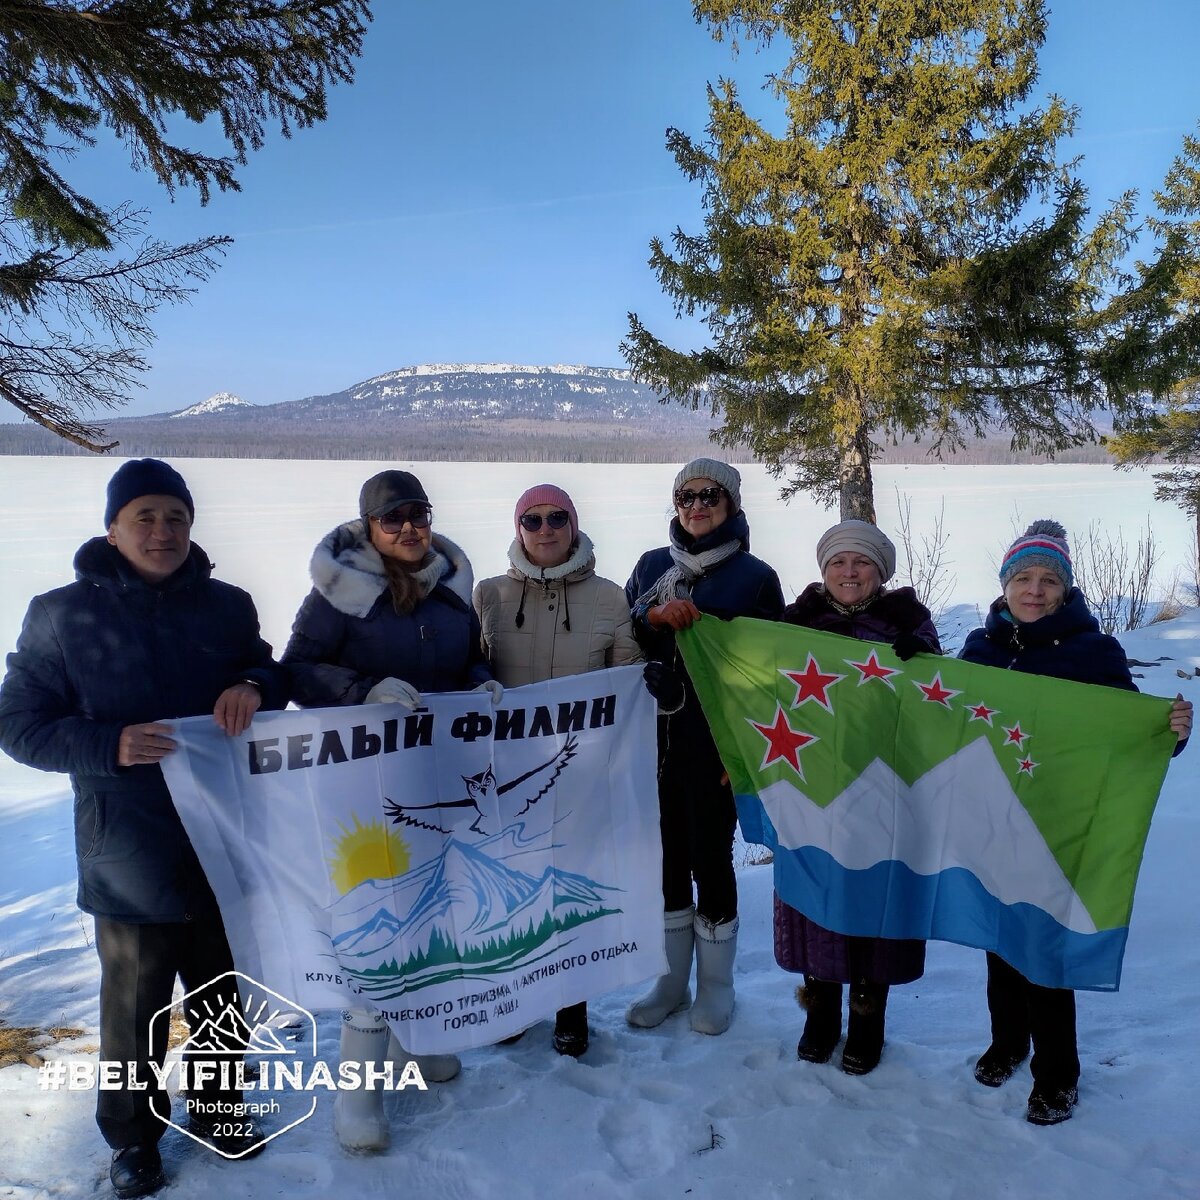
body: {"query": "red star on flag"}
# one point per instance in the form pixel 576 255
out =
pixel 936 692
pixel 981 712
pixel 1016 735
pixel 783 742
pixel 812 684
pixel 873 669
pixel 1025 766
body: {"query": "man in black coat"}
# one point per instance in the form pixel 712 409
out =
pixel 143 636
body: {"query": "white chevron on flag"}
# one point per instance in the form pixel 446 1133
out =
pixel 962 813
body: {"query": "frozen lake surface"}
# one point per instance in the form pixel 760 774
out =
pixel 660 1113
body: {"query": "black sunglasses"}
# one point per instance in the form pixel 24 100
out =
pixel 417 515
pixel 710 497
pixel 556 520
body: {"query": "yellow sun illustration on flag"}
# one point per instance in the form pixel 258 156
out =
pixel 370 851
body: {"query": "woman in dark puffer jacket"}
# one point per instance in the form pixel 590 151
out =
pixel 856 559
pixel 389 617
pixel 707 568
pixel 1041 625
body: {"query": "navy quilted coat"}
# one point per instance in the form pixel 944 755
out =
pixel 740 586
pixel 110 650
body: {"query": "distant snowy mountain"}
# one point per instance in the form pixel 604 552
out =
pixel 463 411
pixel 474 391
pixel 222 403
pixel 470 412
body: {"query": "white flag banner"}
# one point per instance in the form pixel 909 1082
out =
pixel 464 870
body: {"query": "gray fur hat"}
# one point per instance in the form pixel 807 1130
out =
pixel 858 537
pixel 716 470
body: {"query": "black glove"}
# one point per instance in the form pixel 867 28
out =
pixel 664 685
pixel 908 644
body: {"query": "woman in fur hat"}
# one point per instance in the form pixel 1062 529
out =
pixel 552 615
pixel 389 618
pixel 856 560
pixel 707 568
pixel 1041 625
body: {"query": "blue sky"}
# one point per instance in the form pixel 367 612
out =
pixel 487 188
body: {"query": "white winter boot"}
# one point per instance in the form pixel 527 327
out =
pixel 435 1068
pixel 358 1119
pixel 715 948
pixel 670 993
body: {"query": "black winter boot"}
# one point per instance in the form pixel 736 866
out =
pixel 864 1038
pixel 571 1030
pixel 997 1063
pixel 136 1171
pixel 822 1000
pixel 1049 1105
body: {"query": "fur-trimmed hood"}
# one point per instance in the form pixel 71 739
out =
pixel 580 564
pixel 349 572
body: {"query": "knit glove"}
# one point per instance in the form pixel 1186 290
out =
pixel 493 687
pixel 907 644
pixel 665 686
pixel 675 614
pixel 394 691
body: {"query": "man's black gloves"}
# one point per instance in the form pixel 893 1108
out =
pixel 664 685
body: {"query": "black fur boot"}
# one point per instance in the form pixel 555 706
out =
pixel 822 1000
pixel 864 1038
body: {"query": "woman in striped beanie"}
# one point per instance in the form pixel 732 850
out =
pixel 1042 625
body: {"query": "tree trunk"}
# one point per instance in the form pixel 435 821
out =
pixel 854 478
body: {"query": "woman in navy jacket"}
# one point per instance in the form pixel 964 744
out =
pixel 1041 625
pixel 707 568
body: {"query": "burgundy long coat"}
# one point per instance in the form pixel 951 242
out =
pixel 801 944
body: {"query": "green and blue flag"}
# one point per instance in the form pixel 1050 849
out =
pixel 936 798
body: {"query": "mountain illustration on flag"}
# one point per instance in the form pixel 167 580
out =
pixel 465 912
pixel 935 798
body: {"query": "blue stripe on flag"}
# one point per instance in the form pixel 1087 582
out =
pixel 951 906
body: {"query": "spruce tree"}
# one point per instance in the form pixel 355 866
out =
pixel 79 282
pixel 898 252
pixel 1152 348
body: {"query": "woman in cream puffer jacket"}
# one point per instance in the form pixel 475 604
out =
pixel 541 621
pixel 552 615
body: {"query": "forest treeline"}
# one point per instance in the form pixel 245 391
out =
pixel 497 440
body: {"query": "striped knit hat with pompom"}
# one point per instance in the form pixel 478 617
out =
pixel 1043 544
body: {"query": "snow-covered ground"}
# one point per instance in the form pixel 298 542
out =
pixel 665 1112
